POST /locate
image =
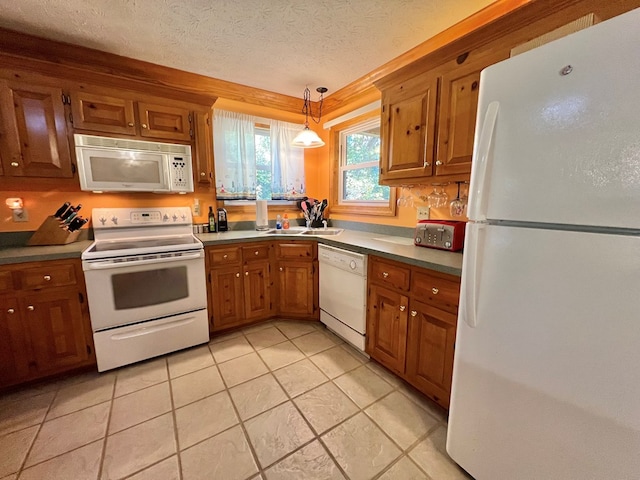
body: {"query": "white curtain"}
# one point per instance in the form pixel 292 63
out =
pixel 235 155
pixel 287 162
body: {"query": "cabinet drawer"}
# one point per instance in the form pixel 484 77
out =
pixel 224 256
pixel 435 290
pixel 47 277
pixel 295 250
pixel 390 274
pixel 6 281
pixel 255 252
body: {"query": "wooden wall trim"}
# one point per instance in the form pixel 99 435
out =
pixel 65 60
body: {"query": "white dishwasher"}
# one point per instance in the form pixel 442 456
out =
pixel 343 293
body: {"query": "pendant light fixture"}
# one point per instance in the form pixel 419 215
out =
pixel 307 138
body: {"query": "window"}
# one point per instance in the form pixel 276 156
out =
pixel 355 187
pixel 254 159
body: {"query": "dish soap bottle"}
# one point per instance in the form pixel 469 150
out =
pixel 212 221
pixel 285 222
pixel 278 223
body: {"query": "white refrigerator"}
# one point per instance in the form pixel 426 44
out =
pixel 546 381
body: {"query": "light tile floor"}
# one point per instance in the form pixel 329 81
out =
pixel 278 401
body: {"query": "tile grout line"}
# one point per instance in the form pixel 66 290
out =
pixel 106 428
pixel 174 418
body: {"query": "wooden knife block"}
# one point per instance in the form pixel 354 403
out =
pixel 51 233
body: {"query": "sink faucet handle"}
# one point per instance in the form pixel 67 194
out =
pixel 324 224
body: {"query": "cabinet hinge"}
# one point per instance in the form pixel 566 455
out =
pixel 190 118
pixel 73 168
pixel 80 296
pixel 208 123
pixel 88 350
pixel 71 118
pixel 191 132
pixel 209 277
pixel 66 99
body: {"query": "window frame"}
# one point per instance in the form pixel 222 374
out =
pixel 376 208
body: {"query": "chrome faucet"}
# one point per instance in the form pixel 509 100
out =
pixel 324 224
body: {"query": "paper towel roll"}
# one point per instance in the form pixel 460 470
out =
pixel 262 215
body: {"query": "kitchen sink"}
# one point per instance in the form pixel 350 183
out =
pixel 322 232
pixel 288 231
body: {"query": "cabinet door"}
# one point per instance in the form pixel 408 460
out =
pixel 408 132
pixel 33 140
pixel 296 292
pixel 102 113
pixel 459 89
pixel 387 327
pixel 56 329
pixel 159 121
pixel 203 158
pixel 14 352
pixel 226 296
pixel 432 335
pixel 257 290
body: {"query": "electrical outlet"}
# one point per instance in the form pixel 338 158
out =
pixel 195 208
pixel 423 213
pixel 20 215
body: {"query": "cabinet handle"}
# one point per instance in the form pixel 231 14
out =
pixel 202 174
pixel 256 253
pixel 31 308
pixel 246 274
pixel 237 275
pixel 414 313
pixel 15 164
pixel 438 162
pixel 403 308
pixel 131 124
pixel 11 311
pixel 225 256
pixel 47 278
pixel 144 125
pixel 281 269
pixel 385 274
pixel 434 290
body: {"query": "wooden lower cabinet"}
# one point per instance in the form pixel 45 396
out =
pixel 44 325
pixel 258 280
pixel 226 294
pixel 387 327
pixel 430 343
pixel 412 331
pixel 257 290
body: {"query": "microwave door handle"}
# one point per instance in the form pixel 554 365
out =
pixel 111 264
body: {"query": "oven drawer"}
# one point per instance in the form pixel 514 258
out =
pixel 224 256
pixel 47 277
pixel 125 345
pixel 256 252
pixel 389 274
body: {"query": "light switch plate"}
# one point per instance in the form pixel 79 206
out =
pixel 20 215
pixel 423 213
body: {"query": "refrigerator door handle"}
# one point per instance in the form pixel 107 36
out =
pixel 477 206
pixel 471 260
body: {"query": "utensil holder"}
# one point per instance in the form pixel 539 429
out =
pixel 51 233
pixel 317 223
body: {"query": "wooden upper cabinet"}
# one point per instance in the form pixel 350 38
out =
pixel 33 135
pixel 203 159
pixel 161 121
pixel 458 107
pixel 408 129
pixel 103 113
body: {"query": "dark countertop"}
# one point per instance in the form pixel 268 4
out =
pixel 395 248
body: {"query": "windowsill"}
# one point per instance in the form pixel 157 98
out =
pixel 247 206
pixel 366 209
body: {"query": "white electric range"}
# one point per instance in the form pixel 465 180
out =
pixel 146 286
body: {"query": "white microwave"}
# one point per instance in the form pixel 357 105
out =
pixel 122 165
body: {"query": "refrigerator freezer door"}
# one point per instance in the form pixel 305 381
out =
pixel 565 147
pixel 546 383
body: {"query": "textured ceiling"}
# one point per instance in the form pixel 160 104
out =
pixel 277 45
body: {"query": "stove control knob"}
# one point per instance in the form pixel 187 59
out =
pixel 183 217
pixel 175 217
pixel 114 219
pixel 165 218
pixel 102 220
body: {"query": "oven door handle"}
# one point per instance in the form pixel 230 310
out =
pixel 146 330
pixel 109 264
